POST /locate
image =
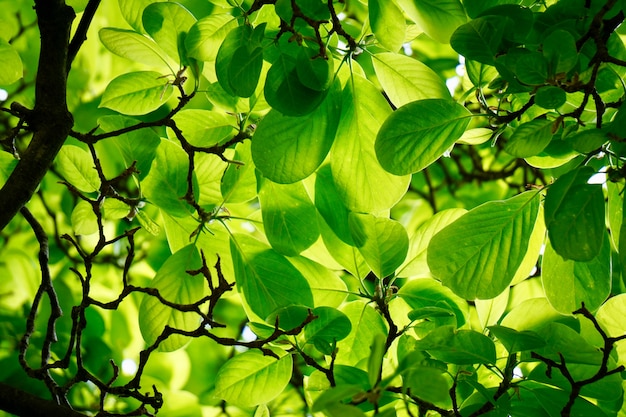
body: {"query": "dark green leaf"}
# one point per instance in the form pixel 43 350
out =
pixel 517 341
pixel 168 23
pixel 461 347
pixel 575 215
pixel 480 40
pixel 530 138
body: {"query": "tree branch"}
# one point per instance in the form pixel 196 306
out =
pixel 22 403
pixel 50 120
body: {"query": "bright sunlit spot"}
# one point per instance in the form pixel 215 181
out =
pixel 599 178
pixel 3 94
pixel 248 227
pixel 517 372
pixel 129 367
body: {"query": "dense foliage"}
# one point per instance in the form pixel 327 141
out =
pixel 312 207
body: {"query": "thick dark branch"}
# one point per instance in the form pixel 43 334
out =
pixel 22 403
pixel 50 120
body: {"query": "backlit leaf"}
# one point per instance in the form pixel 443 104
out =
pixel 251 378
pixel 387 22
pixel 205 37
pixel 418 133
pixel 134 46
pixel 77 167
pixel 289 217
pixel 168 23
pixel 437 18
pixel 530 138
pixel 267 280
pixel 383 242
pixel 360 179
pixel 176 286
pixel 478 255
pixel 575 215
pixel 137 93
pixel 461 347
pixel 406 79
pixel 288 149
pixel 569 283
pixel 11 67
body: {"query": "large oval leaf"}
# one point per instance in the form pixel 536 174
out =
pixel 133 46
pixel 387 22
pixel 205 37
pixel 288 149
pixel 137 93
pixel 575 215
pixel 267 280
pixel 461 347
pixel 289 217
pixel 176 286
pixel 251 378
pixel 478 255
pixel 77 167
pixel 437 18
pixel 530 139
pixel 168 23
pixel 363 184
pixel 383 242
pixel 569 283
pixel 11 67
pixel 406 79
pixel 366 325
pixel 417 134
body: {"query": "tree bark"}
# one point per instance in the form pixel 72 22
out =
pixel 50 120
pixel 21 403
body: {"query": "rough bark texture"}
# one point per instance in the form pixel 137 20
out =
pixel 21 403
pixel 50 120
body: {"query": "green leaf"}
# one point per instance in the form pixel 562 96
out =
pixel 517 341
pixel 168 23
pixel 239 61
pixel 209 170
pixel 406 79
pixel 84 220
pixel 205 37
pixel 11 67
pixel 416 261
pixel 314 71
pixel 530 138
pixel 530 68
pixel 610 316
pixel 550 97
pixel 563 340
pixel 288 149
pixel 437 18
pixel 427 383
pixel 574 212
pixel 428 312
pixel 569 283
pixel 251 378
pixel 328 288
pixel 115 209
pixel 132 11
pixel 204 128
pixel 426 292
pixel 366 324
pixel 478 255
pixel 137 93
pixel 286 93
pixel 480 39
pixel 460 347
pixel 383 242
pixel 166 183
pixel 329 204
pixel 267 280
pixel 375 362
pixel 418 133
pixel 289 217
pixel 560 50
pixel 387 23
pixel 77 167
pixel 134 46
pixel 176 286
pixel 138 146
pixel 362 182
pixel 239 181
pixel 330 326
